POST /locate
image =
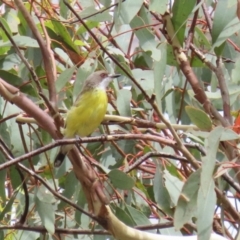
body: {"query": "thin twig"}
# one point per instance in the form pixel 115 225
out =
pixel 154 154
pixel 48 64
pixel 39 178
pixel 191 29
pixel 207 16
pixel 107 138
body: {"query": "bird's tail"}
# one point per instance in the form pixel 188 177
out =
pixel 59 159
pixel 61 154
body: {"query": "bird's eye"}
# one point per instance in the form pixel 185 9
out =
pixel 103 75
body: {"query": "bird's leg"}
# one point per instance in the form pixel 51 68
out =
pixel 78 145
pixel 77 138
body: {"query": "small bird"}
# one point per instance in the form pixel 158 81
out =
pixel 88 110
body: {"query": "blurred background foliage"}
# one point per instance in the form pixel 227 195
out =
pixel 164 188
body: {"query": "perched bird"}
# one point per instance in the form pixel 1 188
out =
pixel 88 111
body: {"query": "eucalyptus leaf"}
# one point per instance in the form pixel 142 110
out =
pixel 124 216
pixel 138 217
pixel 232 27
pixel 158 72
pixel 161 194
pixel 123 102
pixel 129 9
pixel 7 208
pixel 146 38
pixel 181 10
pixel 63 35
pixel 45 209
pixel 223 14
pixel 64 77
pixel 187 203
pixel 158 6
pixel 21 41
pixel 206 208
pixel 209 161
pixel 120 180
pixel 100 17
pixel 199 118
pixel 174 186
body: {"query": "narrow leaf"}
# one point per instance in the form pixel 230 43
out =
pixel 187 203
pixel 161 194
pixel 199 118
pixel 123 102
pixel 121 180
pixel 138 217
pixel 206 207
pixel 64 77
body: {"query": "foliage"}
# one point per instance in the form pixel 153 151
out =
pixel 166 150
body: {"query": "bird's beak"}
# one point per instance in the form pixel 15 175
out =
pixel 114 75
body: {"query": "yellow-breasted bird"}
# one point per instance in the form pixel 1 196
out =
pixel 88 111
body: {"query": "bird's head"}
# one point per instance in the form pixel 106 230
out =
pixel 99 79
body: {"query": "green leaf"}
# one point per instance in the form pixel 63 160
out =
pixel 174 186
pixel 181 10
pixel 7 208
pixel 70 185
pixel 4 134
pixel 3 35
pixel 123 102
pixel 129 9
pixel 11 17
pixel 26 235
pixel 64 77
pixel 21 41
pixel 123 34
pixel 199 118
pixel 121 180
pixel 138 217
pixel 158 6
pixel 145 79
pixel 216 97
pixel 90 24
pixel 209 161
pixel 161 194
pixel 169 98
pixel 2 183
pixel 158 72
pixel 11 78
pixel 106 3
pixel 81 202
pixel 202 39
pixel 187 203
pixel 124 217
pixel 145 37
pixel 228 135
pixel 224 13
pixel 15 178
pixel 223 168
pixel 100 17
pixel 206 208
pixel 171 60
pixel 63 35
pixel 44 207
pixel 64 10
pixel 231 28
pixel 236 72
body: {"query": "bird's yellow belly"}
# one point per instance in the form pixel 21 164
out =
pixel 87 114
